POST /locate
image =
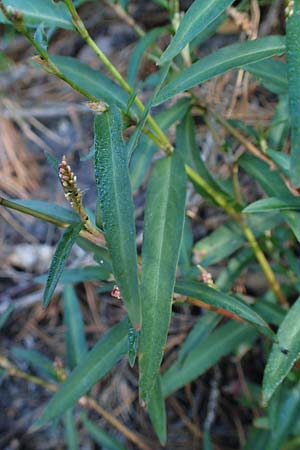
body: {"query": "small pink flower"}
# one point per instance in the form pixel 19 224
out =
pixel 116 292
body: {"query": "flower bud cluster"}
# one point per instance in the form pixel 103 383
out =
pixel 206 276
pixel 71 190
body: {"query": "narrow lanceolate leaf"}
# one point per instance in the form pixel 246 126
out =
pixel 205 354
pixel 39 362
pixel 46 211
pixel 114 200
pixel 157 412
pixel 211 296
pixel 139 51
pixel 271 73
pixel 286 418
pixel 51 14
pixel 74 328
pixel 101 436
pixel 61 254
pixel 293 62
pixel 79 275
pixel 104 355
pixel 92 81
pixel 197 18
pixel 219 62
pixel 284 353
pixel 273 204
pixel 70 430
pixel 164 220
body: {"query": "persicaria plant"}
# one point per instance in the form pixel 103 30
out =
pixel 184 289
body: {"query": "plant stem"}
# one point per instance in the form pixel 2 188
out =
pixel 84 401
pixel 269 274
pixel 235 215
pixel 80 27
pixel 15 372
pixel 44 59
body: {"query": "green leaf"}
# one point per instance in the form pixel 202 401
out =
pixel 219 62
pixel 199 332
pixel 272 73
pixel 74 328
pixel 100 360
pixel 78 275
pixel 92 81
pixel 197 18
pixel 162 3
pixel 293 64
pixel 114 199
pixel 163 229
pixel 270 312
pixel 52 14
pixel 38 361
pixel 70 430
pixel 60 256
pixel 209 31
pixel 101 254
pixel 99 435
pixel 157 412
pixel 134 138
pixel 211 296
pixel 278 132
pixel 228 238
pixel 273 204
pixel 44 210
pixel 185 256
pixel 5 315
pixel 138 52
pixel 284 353
pixel 257 439
pixel 293 219
pixel 233 269
pixel 288 413
pixel 142 157
pixel 207 443
pixel 52 161
pixel 282 160
pixel 204 355
pixel 270 180
pixel 186 143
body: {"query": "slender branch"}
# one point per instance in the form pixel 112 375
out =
pixel 269 274
pixel 82 30
pixel 235 215
pixel 84 401
pixel 15 372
